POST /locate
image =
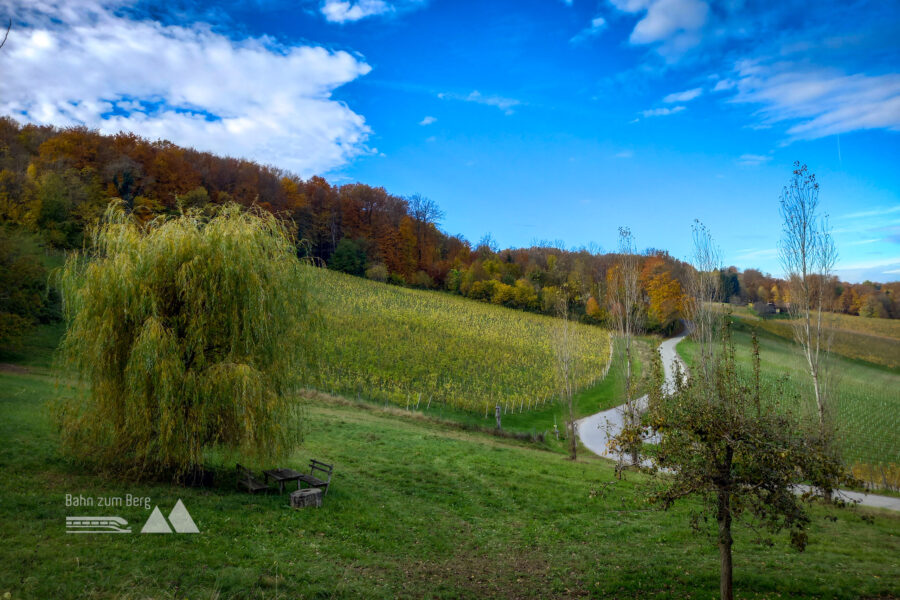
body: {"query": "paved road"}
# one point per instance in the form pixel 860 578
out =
pixel 596 430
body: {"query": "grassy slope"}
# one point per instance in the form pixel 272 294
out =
pixel 416 510
pixel 868 413
pixel 875 341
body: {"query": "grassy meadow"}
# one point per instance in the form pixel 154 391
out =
pixel 414 348
pixel 867 413
pixel 416 510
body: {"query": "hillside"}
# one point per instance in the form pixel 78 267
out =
pixel 872 340
pixel 867 413
pixel 415 510
pixel 420 348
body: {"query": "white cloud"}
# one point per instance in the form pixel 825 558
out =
pixel 752 160
pixel 427 120
pixel 661 112
pixel 597 25
pixel 625 154
pixel 685 96
pixel 750 254
pixel 341 11
pixel 873 213
pixel 724 85
pixel 504 104
pixel 349 11
pixel 819 101
pixel 78 62
pixel 674 26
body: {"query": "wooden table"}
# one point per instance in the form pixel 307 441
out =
pixel 283 475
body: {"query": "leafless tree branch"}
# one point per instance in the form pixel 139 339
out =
pixel 5 37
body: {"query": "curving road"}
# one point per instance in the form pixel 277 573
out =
pixel 596 430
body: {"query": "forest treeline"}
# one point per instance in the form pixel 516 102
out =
pixel 54 183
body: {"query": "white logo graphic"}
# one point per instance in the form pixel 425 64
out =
pixel 97 525
pixel 180 519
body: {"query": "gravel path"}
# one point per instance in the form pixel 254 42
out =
pixel 596 430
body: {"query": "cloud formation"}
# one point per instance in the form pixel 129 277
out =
pixel 671 26
pixel 504 104
pixel 685 96
pixel 597 25
pixel 349 11
pixel 661 112
pixel 819 101
pixel 752 160
pixel 428 120
pixel 83 62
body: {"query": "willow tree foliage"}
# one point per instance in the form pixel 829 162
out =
pixel 188 335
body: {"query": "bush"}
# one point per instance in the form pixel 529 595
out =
pixel 189 334
pixel 377 272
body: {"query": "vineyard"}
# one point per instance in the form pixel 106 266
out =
pixel 416 348
pixel 867 408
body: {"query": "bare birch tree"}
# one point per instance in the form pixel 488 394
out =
pixel 703 291
pixel 626 308
pixel 808 256
pixel 562 346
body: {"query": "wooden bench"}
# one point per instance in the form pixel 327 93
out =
pixel 247 480
pixel 313 481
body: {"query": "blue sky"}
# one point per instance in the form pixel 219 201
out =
pixel 530 120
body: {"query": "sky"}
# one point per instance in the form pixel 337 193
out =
pixel 530 120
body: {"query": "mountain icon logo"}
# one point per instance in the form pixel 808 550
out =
pixel 179 518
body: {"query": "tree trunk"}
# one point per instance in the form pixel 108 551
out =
pixel 724 519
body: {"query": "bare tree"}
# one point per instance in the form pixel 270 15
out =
pixel 562 348
pixel 424 212
pixel 703 291
pixel 808 256
pixel 6 36
pixel 625 306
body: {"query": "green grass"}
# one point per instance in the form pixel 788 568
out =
pixel 37 348
pixel 867 412
pixel 875 341
pixel 416 510
pixel 415 348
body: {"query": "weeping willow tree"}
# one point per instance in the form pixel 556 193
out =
pixel 187 335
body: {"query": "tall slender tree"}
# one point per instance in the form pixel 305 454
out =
pixel 626 307
pixel 808 256
pixel 565 364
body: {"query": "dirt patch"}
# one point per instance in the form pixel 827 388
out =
pixel 11 368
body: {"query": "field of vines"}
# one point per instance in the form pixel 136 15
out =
pixel 872 340
pixel 867 408
pixel 416 348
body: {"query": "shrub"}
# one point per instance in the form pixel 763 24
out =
pixel 377 272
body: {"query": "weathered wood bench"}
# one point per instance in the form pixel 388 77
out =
pixel 313 481
pixel 247 480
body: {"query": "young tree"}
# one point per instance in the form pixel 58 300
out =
pixel 703 291
pixel 808 256
pixel 739 450
pixel 626 308
pixel 189 335
pixel 565 363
